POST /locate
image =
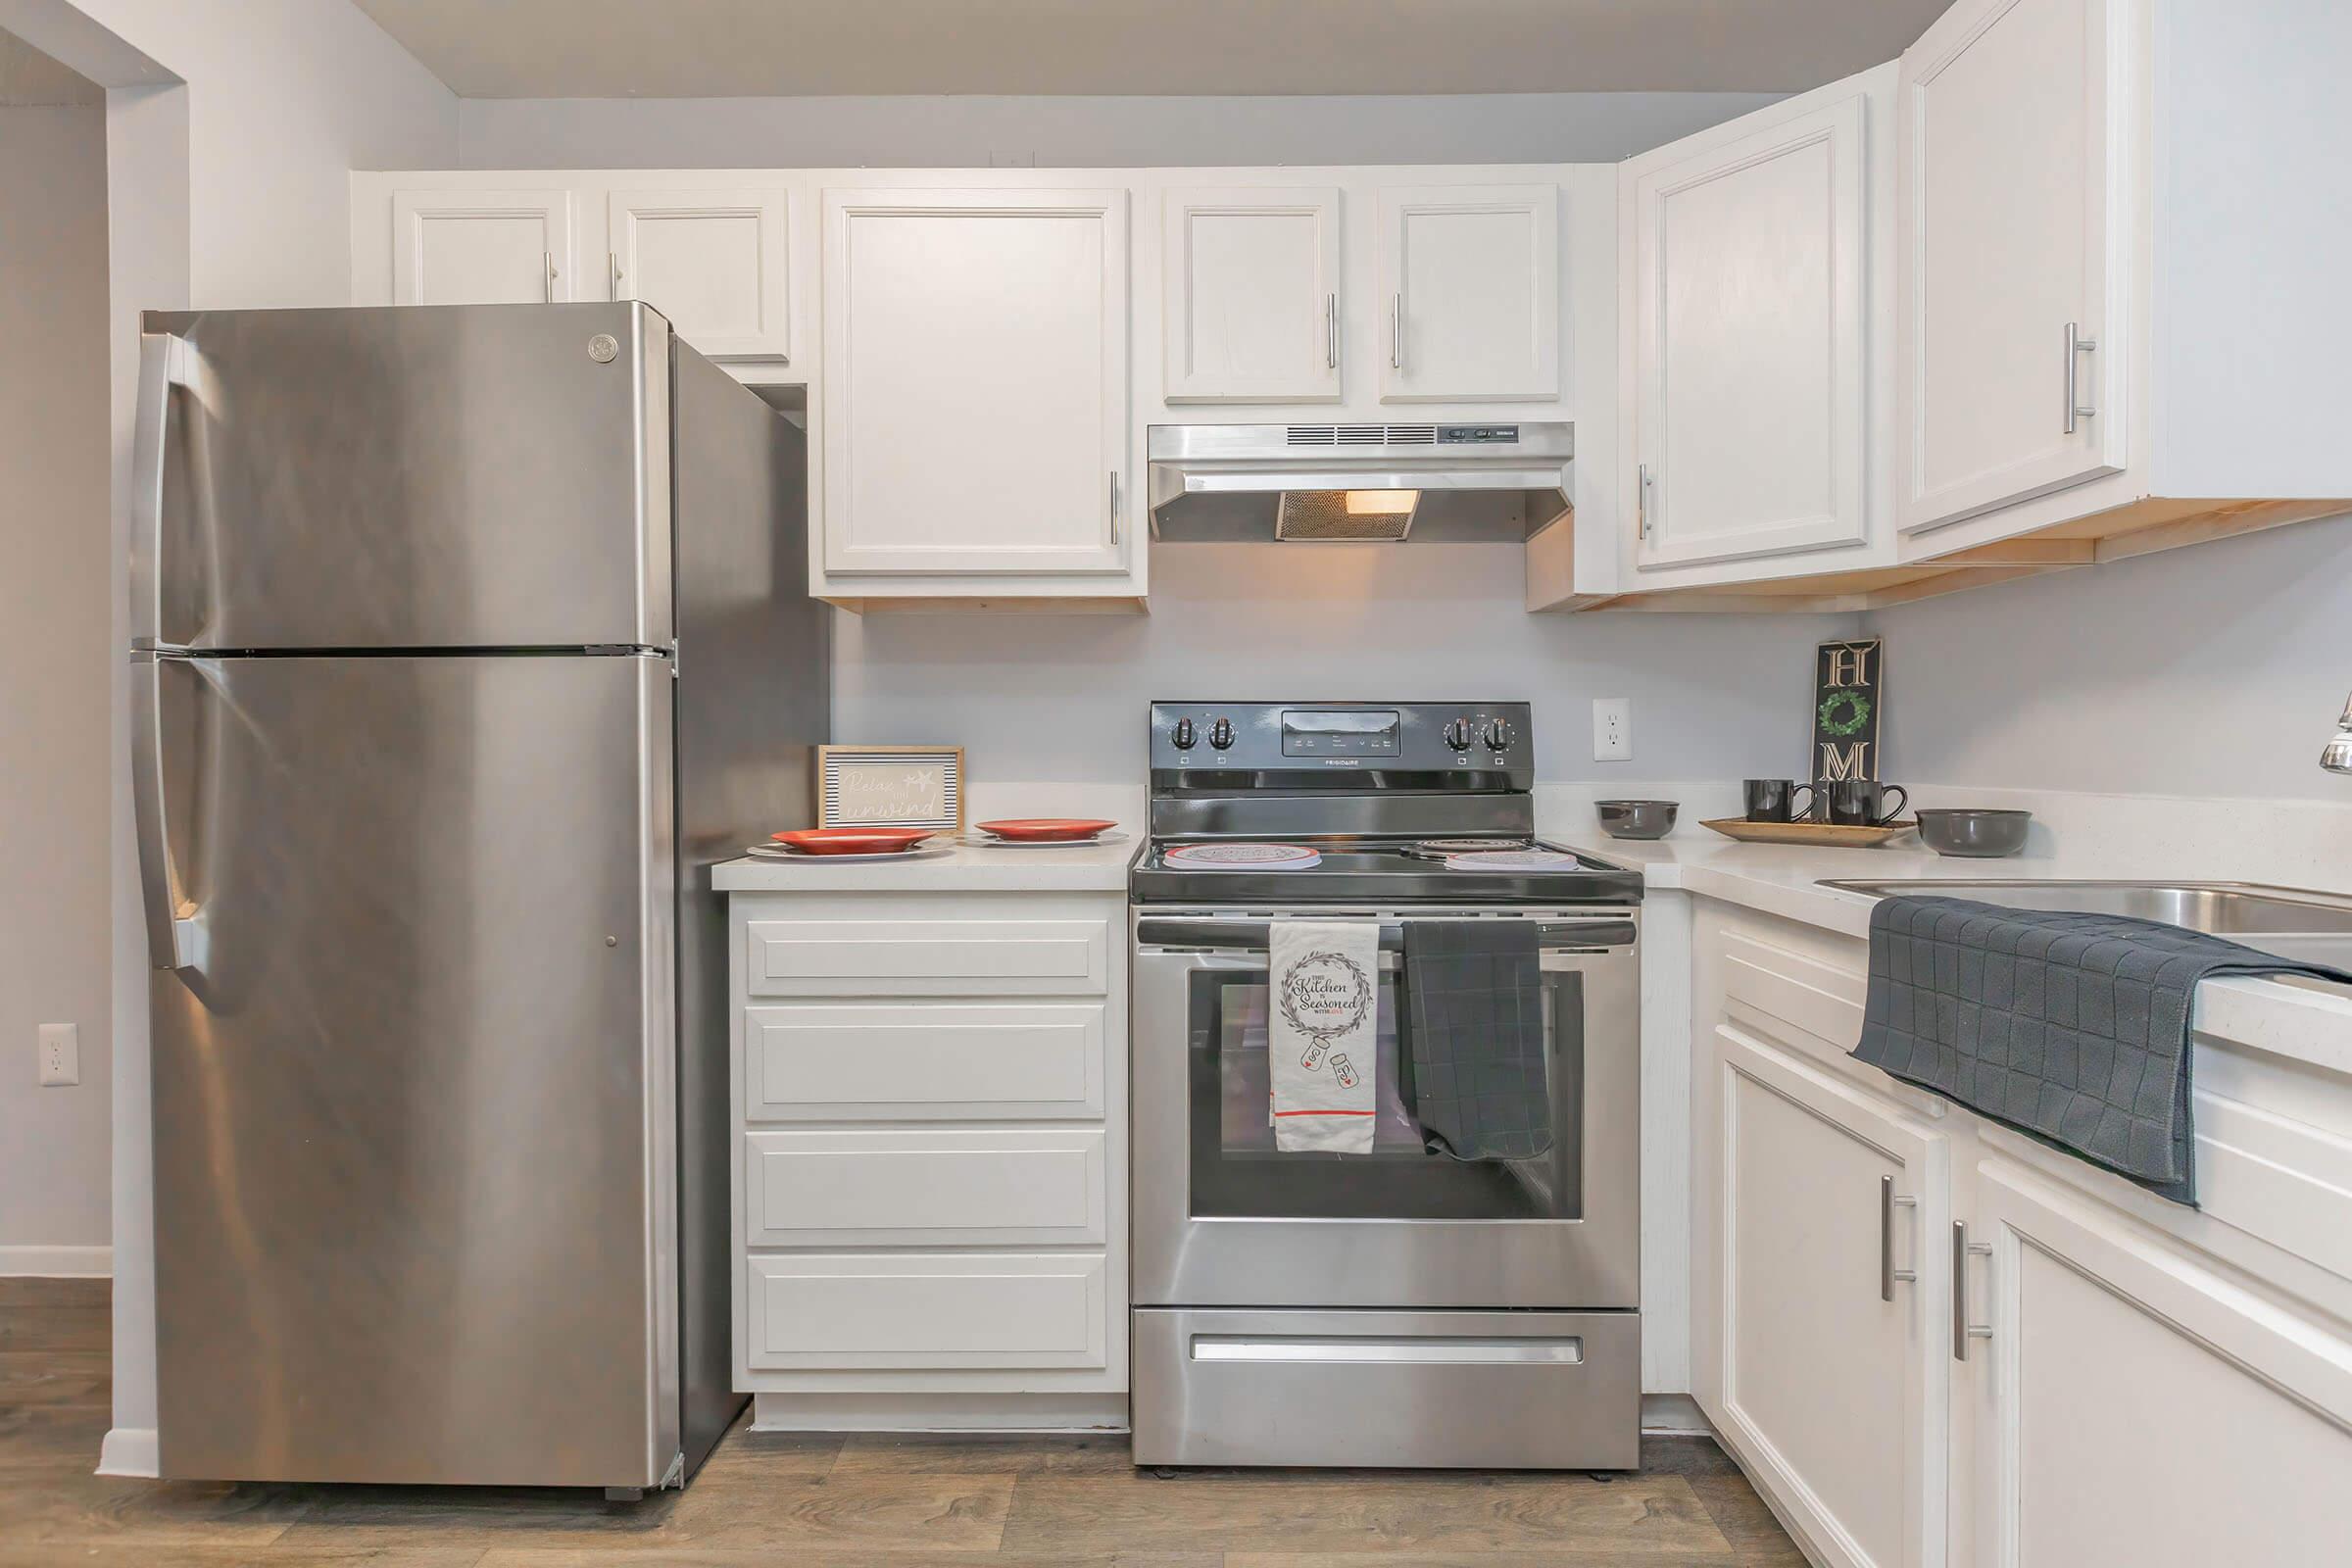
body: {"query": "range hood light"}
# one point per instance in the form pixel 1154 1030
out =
pixel 1381 503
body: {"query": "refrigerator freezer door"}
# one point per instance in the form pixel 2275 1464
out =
pixel 446 476
pixel 413 1073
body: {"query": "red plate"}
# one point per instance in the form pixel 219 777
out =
pixel 1044 829
pixel 852 840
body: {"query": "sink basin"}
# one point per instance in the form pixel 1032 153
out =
pixel 2293 922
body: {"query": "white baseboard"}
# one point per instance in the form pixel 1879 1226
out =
pixel 56 1262
pixel 1675 1415
pixel 939 1412
pixel 130 1451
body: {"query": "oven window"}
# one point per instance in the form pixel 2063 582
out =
pixel 1238 1173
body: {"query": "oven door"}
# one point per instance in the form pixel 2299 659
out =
pixel 1223 1219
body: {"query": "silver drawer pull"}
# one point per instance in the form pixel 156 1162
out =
pixel 1889 1274
pixel 1963 1330
pixel 1432 1351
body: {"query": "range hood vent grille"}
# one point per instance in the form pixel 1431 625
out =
pixel 1361 435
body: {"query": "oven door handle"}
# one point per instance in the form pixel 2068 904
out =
pixel 1253 935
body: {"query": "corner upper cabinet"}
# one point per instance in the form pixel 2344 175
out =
pixel 1250 302
pixel 974 395
pixel 2014 252
pixel 454 246
pixel 1747 280
pixel 714 262
pixel 1469 293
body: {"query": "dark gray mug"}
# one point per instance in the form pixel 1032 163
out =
pixel 1862 801
pixel 1774 799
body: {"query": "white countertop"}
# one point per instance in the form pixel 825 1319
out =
pixel 2309 1021
pixel 1062 868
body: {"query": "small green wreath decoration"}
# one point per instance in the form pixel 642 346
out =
pixel 1855 714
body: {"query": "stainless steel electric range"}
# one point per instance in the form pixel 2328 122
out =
pixel 1402 1307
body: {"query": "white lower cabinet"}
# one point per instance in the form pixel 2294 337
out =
pixel 2075 1374
pixel 1832 1381
pixel 2134 1407
pixel 930 1169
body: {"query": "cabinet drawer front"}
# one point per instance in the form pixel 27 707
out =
pixel 948 1061
pixel 973 1311
pixel 928 957
pixel 997 1188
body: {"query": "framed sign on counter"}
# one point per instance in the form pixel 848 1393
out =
pixel 890 786
pixel 1849 698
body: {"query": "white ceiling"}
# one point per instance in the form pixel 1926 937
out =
pixel 29 76
pixel 763 48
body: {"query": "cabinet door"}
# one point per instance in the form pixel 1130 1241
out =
pixel 484 247
pixel 1470 278
pixel 1744 274
pixel 2010 256
pixel 2133 1406
pixel 1250 295
pixel 714 262
pixel 1833 1378
pixel 976 391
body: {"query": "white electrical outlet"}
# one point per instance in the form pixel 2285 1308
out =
pixel 60 1055
pixel 1612 729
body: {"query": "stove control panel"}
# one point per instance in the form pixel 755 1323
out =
pixel 1372 746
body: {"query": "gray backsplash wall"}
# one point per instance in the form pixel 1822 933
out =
pixel 2212 670
pixel 1061 698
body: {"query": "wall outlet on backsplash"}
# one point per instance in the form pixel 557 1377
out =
pixel 1612 729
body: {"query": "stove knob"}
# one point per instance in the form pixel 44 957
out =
pixel 1498 736
pixel 1220 733
pixel 1184 735
pixel 1457 734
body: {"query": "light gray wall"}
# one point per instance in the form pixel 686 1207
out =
pixel 54 734
pixel 1076 132
pixel 1061 698
pixel 2212 670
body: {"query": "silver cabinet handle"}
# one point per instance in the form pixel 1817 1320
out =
pixel 547 280
pixel 1396 331
pixel 1331 331
pixel 1889 1202
pixel 2076 346
pixel 613 265
pixel 1963 1330
pixel 1114 506
pixel 1642 498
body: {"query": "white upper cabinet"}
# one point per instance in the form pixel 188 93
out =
pixel 1469 289
pixel 2013 255
pixel 1746 284
pixel 714 262
pixel 974 394
pixel 484 247
pixel 1251 294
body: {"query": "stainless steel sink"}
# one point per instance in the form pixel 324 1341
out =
pixel 2293 922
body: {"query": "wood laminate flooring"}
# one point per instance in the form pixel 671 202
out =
pixel 860 1501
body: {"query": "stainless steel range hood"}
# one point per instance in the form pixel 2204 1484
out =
pixel 1499 480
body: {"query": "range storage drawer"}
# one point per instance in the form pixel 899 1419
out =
pixel 969 1310
pixel 923 1061
pixel 1041 1186
pixel 1482 1389
pixel 928 957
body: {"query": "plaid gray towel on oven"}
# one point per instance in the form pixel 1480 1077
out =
pixel 1473 1037
pixel 2074 1028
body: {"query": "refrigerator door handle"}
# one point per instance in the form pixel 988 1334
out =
pixel 165 360
pixel 175 928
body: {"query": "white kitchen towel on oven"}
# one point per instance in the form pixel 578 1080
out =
pixel 1322 1033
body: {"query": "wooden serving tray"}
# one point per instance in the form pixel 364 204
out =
pixel 1840 835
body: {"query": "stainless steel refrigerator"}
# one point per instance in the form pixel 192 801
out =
pixel 466 639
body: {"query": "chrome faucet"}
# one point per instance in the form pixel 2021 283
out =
pixel 2336 755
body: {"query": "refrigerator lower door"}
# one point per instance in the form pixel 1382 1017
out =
pixel 410 476
pixel 413 1066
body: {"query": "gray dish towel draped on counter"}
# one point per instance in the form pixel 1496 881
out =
pixel 2071 1027
pixel 1472 1043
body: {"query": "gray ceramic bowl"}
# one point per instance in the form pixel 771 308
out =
pixel 1637 820
pixel 1979 833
